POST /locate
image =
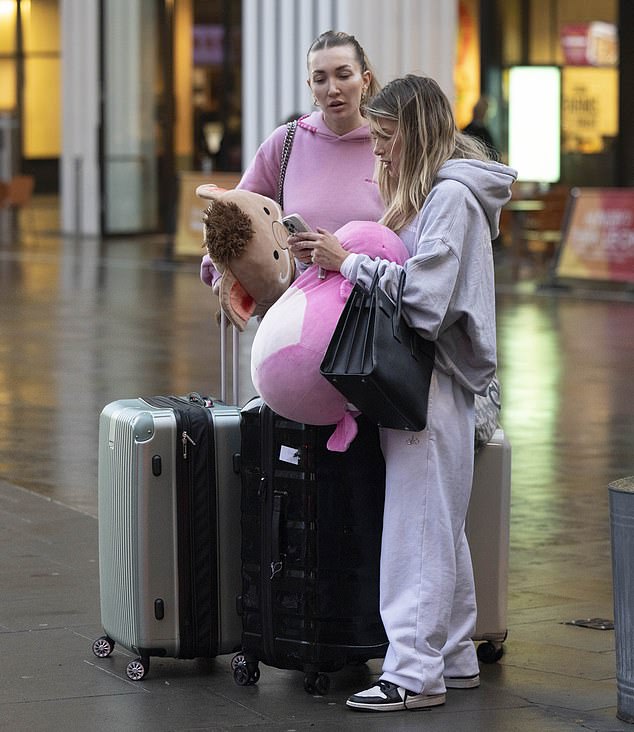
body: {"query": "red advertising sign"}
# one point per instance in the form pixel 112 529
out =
pixel 590 44
pixel 599 240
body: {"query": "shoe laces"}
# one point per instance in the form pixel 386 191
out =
pixel 386 686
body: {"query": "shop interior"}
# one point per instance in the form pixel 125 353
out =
pixel 548 68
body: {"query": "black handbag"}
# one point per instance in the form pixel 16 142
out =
pixel 378 362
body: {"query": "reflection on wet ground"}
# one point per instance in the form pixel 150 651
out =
pixel 84 322
pixel 80 326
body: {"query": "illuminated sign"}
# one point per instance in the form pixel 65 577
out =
pixel 590 44
pixel 599 241
pixel 590 108
pixel 534 122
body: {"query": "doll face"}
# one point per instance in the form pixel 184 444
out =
pixel 247 243
pixel 266 268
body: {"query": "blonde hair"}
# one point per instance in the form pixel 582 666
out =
pixel 429 137
pixel 331 38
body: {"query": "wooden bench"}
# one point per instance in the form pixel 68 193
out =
pixel 534 228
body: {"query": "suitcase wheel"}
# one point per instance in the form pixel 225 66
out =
pixel 137 669
pixel 315 683
pixel 245 673
pixel 103 647
pixel 490 652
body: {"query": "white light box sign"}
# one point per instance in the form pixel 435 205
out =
pixel 535 122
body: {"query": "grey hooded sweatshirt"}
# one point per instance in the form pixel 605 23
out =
pixel 449 294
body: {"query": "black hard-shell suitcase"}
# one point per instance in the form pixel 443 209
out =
pixel 169 510
pixel 311 528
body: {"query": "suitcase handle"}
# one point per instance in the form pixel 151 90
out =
pixel 223 360
pixel 276 521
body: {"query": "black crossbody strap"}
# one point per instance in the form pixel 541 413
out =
pixel 286 153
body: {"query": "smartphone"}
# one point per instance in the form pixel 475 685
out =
pixel 295 224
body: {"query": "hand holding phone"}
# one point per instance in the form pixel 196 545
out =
pixel 295 224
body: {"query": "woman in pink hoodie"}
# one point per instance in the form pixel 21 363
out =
pixel 330 175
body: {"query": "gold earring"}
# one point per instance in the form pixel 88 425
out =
pixel 315 102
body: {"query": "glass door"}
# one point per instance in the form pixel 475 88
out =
pixel 136 140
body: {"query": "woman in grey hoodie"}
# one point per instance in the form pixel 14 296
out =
pixel 443 197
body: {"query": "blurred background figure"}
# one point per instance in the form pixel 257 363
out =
pixel 478 128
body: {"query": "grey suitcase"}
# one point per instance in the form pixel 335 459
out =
pixel 487 528
pixel 169 518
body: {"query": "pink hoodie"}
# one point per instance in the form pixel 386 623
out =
pixel 329 179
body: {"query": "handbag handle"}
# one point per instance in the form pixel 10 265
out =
pixel 375 281
pixel 286 153
pixel 398 307
pixel 399 290
pixel 399 299
pixel 398 304
pixel 397 319
pixel 361 299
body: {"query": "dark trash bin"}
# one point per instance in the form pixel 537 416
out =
pixel 621 500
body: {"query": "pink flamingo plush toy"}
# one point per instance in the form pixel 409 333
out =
pixel 292 338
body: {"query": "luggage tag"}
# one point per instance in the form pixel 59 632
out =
pixel 289 455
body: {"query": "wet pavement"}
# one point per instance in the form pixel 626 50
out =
pixel 84 322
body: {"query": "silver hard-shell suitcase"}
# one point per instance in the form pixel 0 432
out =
pixel 169 517
pixel 488 528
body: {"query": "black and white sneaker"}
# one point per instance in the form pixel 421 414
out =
pixel 388 697
pixel 462 682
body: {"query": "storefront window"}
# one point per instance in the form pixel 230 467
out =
pixel 582 40
pixel 30 84
pixel 467 67
pixel 132 136
pixel 216 85
pixel 40 29
pixel 589 124
pixel 8 14
pixel 40 32
pixel 9 126
pixel 7 84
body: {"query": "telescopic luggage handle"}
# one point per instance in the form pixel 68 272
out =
pixel 223 360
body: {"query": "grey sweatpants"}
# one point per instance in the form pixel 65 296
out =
pixel 427 591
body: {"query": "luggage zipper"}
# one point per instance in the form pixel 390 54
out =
pixel 185 438
pixel 197 635
pixel 267 573
pixel 203 639
pixel 188 642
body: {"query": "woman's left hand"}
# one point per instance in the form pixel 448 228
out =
pixel 325 249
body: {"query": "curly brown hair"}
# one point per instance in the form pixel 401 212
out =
pixel 227 230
